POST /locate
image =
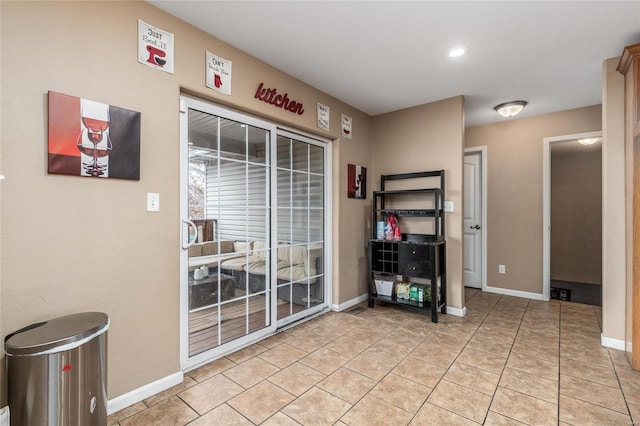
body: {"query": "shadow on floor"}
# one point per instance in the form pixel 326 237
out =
pixel 588 294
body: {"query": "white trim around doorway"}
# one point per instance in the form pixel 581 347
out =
pixel 546 203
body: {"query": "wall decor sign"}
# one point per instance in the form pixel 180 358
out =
pixel 155 47
pixel 271 96
pixel 346 126
pixel 88 138
pixel 218 74
pixel 356 181
pixel 323 116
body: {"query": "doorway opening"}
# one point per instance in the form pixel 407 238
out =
pixel 573 218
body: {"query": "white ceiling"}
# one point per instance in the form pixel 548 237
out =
pixel 384 56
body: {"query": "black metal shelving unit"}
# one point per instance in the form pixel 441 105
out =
pixel 415 255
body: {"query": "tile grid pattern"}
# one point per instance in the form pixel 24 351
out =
pixel 509 361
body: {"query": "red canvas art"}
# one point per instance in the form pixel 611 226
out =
pixel 88 138
pixel 356 181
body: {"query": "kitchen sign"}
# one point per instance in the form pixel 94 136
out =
pixel 271 96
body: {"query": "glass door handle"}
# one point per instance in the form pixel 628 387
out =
pixel 186 244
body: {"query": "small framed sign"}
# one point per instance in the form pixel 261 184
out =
pixel 218 73
pixel 155 47
pixel 323 116
pixel 346 126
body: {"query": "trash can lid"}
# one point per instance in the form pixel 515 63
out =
pixel 56 335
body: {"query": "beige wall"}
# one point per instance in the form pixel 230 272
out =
pixel 576 214
pixel 73 244
pixel 427 137
pixel 514 191
pixel 613 203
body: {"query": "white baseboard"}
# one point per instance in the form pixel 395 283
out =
pixel 457 311
pixel 143 392
pixel 629 346
pixel 608 342
pixel 349 303
pixel 516 293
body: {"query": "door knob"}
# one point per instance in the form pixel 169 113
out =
pixel 475 227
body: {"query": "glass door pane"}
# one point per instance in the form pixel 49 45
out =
pixel 300 226
pixel 229 296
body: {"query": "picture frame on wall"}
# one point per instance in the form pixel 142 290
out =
pixel 92 139
pixel 356 181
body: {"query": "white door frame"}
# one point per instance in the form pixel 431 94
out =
pixel 483 185
pixel 546 203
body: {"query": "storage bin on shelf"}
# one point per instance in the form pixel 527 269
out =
pixel 384 284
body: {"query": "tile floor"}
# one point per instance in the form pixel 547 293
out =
pixel 509 361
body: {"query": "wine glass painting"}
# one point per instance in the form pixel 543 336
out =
pixel 356 181
pixel 93 142
pixel 89 138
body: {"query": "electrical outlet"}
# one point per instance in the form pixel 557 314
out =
pixel 502 269
pixel 448 206
pixel 153 202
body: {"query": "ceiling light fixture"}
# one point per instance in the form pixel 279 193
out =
pixel 457 52
pixel 509 109
pixel 588 141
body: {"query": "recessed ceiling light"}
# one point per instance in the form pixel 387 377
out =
pixel 457 52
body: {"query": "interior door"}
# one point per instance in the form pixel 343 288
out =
pixel 472 263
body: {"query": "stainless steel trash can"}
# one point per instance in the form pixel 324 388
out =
pixel 57 371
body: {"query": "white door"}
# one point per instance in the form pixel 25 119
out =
pixel 473 220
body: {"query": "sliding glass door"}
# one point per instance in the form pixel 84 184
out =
pixel 253 203
pixel 300 227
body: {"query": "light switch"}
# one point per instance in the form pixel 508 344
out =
pixel 153 202
pixel 448 206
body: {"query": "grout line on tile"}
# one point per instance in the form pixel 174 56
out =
pixel 626 403
pixel 500 309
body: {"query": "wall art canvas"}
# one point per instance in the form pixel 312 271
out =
pixel 89 138
pixel 356 181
